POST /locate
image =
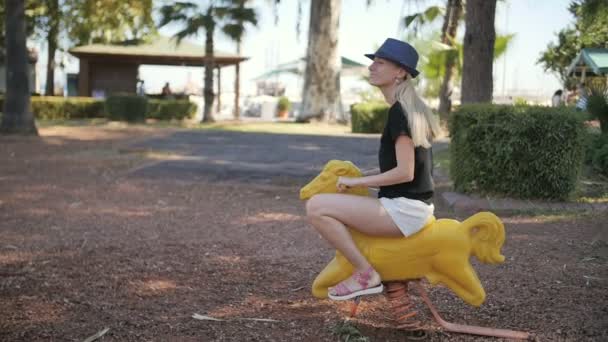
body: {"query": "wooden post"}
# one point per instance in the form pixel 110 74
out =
pixel 219 89
pixel 237 83
pixel 584 73
pixel 83 78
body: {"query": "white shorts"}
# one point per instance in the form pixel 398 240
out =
pixel 408 214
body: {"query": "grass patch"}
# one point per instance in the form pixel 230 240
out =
pixel 347 331
pixel 277 128
pixel 95 122
pixel 441 160
pixel 592 187
pixel 232 126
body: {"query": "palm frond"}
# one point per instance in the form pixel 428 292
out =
pixel 178 12
pixel 234 31
pixel 502 43
pixel 192 27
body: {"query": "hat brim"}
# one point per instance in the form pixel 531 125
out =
pixel 411 70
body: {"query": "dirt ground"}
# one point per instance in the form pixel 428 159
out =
pixel 84 246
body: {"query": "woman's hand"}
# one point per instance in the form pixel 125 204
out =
pixel 345 183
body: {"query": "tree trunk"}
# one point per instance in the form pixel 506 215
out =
pixel 321 93
pixel 477 82
pixel 237 77
pixel 208 95
pixel 52 46
pixel 237 84
pixel 450 25
pixel 17 117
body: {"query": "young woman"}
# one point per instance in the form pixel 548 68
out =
pixel 406 186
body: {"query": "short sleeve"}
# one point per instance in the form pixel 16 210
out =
pixel 397 122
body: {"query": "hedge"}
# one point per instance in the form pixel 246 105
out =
pixel 597 152
pixel 518 151
pixel 368 117
pixel 171 109
pixel 55 107
pixel 129 108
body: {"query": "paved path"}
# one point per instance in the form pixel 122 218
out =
pixel 235 156
pixel 268 158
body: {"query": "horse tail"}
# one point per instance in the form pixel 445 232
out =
pixel 487 235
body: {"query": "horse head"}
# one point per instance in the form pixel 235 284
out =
pixel 326 181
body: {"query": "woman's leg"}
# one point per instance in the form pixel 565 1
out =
pixel 331 213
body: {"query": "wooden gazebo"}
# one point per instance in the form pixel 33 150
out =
pixel 590 62
pixel 112 68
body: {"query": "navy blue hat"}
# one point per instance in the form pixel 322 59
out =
pixel 398 52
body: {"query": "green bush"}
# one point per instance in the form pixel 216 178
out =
pixel 520 101
pixel 123 107
pixel 594 142
pixel 368 117
pixel 58 108
pixel 597 104
pixel 129 108
pixel 596 154
pixel 283 104
pixel 170 109
pixel 520 151
pixel 600 160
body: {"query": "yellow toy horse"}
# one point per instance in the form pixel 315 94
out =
pixel 440 252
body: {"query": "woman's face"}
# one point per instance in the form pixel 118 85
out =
pixel 383 72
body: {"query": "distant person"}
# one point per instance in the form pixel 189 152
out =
pixel 404 203
pixel 581 103
pixel 556 100
pixel 167 90
pixel 141 88
pixel 570 97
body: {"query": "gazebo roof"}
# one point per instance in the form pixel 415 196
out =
pixel 296 67
pixel 594 61
pixel 162 50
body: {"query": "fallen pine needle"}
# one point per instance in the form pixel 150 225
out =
pixel 257 319
pixel 96 336
pixel 206 318
pixel 209 318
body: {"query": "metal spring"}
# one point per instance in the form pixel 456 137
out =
pixel 402 306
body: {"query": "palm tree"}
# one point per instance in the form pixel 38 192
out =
pixel 452 18
pixel 433 67
pixel 237 15
pixel 477 82
pixel 321 93
pixel 228 14
pixel 442 66
pixel 53 20
pixel 453 13
pixel 17 117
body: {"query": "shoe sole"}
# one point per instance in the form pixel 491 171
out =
pixel 370 291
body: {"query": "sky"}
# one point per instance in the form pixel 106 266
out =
pixel 362 29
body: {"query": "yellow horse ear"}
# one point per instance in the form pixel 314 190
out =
pixel 341 171
pixel 350 169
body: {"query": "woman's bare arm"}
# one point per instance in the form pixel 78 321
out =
pixel 404 172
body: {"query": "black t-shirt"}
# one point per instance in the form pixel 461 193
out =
pixel 421 187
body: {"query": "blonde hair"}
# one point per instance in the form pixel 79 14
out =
pixel 424 125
